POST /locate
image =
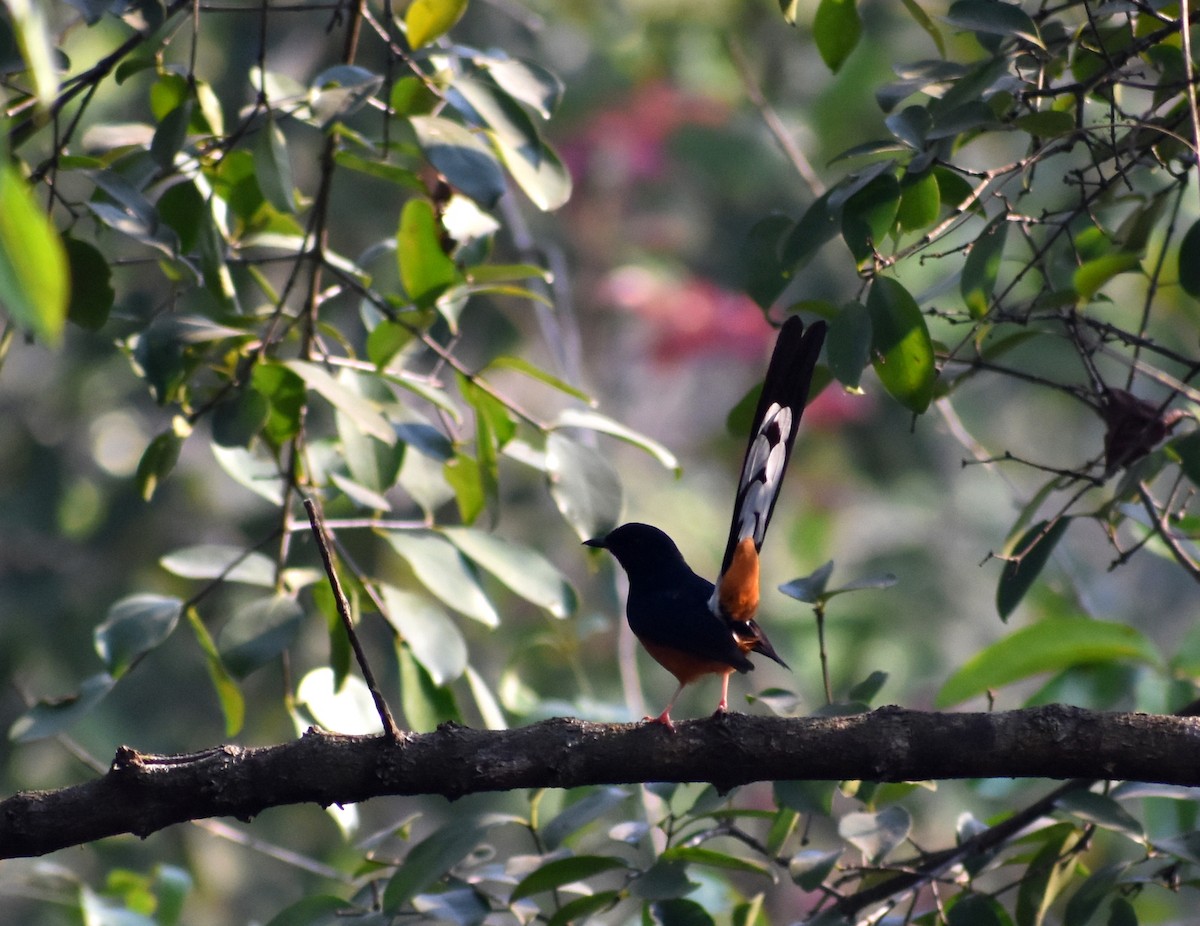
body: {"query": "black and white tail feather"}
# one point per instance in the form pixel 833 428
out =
pixel 776 421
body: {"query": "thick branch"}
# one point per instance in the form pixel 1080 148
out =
pixel 143 793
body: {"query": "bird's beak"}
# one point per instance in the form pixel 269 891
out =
pixel 596 542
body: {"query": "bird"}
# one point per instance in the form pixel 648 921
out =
pixel 693 627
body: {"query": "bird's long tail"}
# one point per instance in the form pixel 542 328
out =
pixel 776 420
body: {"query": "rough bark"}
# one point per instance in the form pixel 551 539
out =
pixel 141 794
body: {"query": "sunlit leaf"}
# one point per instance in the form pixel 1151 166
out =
pixel 34 272
pixel 920 202
pixel 427 20
pixel 425 703
pixel 233 704
pixel 353 405
pixel 349 709
pixel 1091 276
pixel 425 270
pixel 433 637
pixel 583 485
pixel 1050 645
pixel 594 421
pixel 902 348
pixel 523 571
pixel 442 570
pixel 228 562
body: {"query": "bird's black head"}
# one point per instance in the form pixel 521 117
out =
pixel 640 546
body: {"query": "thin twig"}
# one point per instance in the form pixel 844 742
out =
pixel 343 608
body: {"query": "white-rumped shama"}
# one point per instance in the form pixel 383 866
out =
pixel 690 626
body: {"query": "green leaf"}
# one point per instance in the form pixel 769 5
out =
pixel 522 570
pixel 920 202
pixel 239 419
pixel 811 797
pixel 214 560
pixel 159 458
pixel 811 588
pixel 554 874
pixel 233 704
pixel 594 421
pixel 429 861
pixel 358 409
pixel 526 81
pixel 576 816
pixel 810 867
pixel 663 881
pixel 699 855
pixel 50 716
pixel 433 637
pixel 982 267
pixel 36 44
pixel 372 462
pixel 868 215
pixel 91 287
pixel 876 834
pixel 316 910
pixel 1187 450
pixel 767 276
pixel 1033 549
pixel 171 134
pixel 976 910
pixel 902 348
pixel 1101 810
pixel 679 911
pixel 582 909
pixel 836 30
pixel 348 709
pixel 1046 875
pixel 1091 276
pixel 258 632
pixel 425 270
pixel 34 272
pixel 461 157
pixel 1050 645
pixel 485 701
pixel 134 626
pixel 993 17
pixel 425 704
pixel 524 366
pixel 1099 885
pixel 273 168
pixel 1189 261
pixel 1048 123
pixel 428 20
pixel 584 486
pixel 923 20
pixel 848 344
pixel 442 570
pixel 539 173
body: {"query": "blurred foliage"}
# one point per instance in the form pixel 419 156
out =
pixel 363 255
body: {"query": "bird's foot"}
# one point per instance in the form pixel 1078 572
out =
pixel 664 718
pixel 722 712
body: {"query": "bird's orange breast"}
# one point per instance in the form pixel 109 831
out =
pixel 686 667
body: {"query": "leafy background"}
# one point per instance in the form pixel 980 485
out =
pixel 694 170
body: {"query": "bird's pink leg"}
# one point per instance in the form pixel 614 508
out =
pixel 723 704
pixel 665 717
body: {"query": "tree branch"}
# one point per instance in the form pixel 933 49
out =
pixel 141 793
